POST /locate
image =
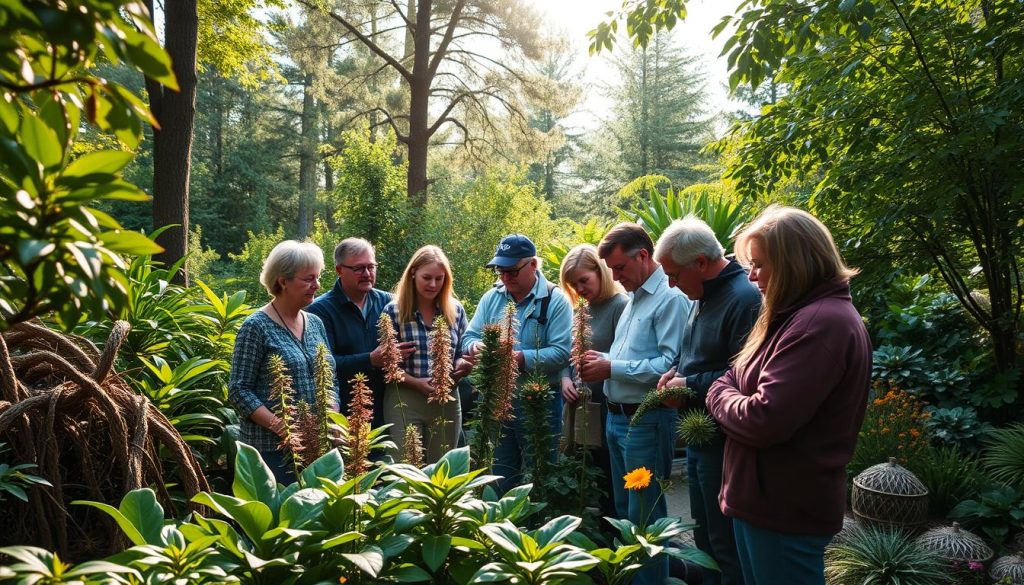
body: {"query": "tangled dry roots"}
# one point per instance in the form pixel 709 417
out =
pixel 63 408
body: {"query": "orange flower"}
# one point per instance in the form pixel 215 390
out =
pixel 637 479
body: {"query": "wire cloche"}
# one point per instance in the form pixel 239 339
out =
pixel 888 494
pixel 1010 566
pixel 955 544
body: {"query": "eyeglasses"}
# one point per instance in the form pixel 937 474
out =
pixel 308 279
pixel 509 272
pixel 361 269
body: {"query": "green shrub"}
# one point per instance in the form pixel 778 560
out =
pixel 893 427
pixel 396 523
pixel 950 475
pixel 997 512
pixel 875 556
pixel 957 426
pixel 1003 456
pixel 247 264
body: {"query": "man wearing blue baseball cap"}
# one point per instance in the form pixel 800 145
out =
pixel 542 344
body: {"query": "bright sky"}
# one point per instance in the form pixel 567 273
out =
pixel 576 17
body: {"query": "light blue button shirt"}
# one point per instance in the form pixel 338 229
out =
pixel 647 339
pixel 544 347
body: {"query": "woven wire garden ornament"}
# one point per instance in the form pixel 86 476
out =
pixel 1010 566
pixel 955 544
pixel 889 495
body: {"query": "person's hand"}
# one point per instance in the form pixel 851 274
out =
pixel 666 377
pixel 520 359
pixel 569 392
pixel 377 357
pixel 462 369
pixel 421 385
pixel 676 381
pixel 407 348
pixel 595 368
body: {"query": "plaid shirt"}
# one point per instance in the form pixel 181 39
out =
pixel 249 385
pixel 418 363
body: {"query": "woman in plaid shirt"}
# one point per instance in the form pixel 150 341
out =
pixel 424 292
pixel 291 274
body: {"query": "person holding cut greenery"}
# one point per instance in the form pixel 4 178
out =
pixel 423 293
pixel 793 402
pixel 584 275
pixel 291 274
pixel 541 342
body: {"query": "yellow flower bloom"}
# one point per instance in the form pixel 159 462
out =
pixel 637 479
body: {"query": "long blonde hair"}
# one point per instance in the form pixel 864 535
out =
pixel 405 290
pixel 584 257
pixel 801 254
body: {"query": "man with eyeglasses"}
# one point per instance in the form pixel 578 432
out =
pixel 646 343
pixel 542 342
pixel 727 307
pixel 350 312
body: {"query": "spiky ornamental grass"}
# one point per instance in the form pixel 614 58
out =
pixel 357 440
pixel 654 399
pixel 485 378
pixel 696 427
pixel 878 556
pixel 535 398
pixel 441 362
pixel 412 450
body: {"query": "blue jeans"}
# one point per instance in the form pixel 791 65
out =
pixel 650 443
pixel 713 533
pixel 511 455
pixel 769 557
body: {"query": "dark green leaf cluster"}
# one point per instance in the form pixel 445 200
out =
pixel 397 523
pixel 535 398
pixel 57 252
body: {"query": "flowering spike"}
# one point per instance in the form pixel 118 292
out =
pixel 412 450
pixel 388 340
pixel 281 391
pixel 325 398
pixel 360 416
pixel 508 373
pixel 441 362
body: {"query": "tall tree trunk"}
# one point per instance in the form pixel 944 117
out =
pixel 307 158
pixel 644 136
pixel 419 105
pixel 172 142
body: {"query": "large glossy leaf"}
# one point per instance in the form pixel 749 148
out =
pixel 556 530
pixel 140 516
pixel 302 508
pixel 253 479
pixel 254 517
pixel 435 550
pixel 370 560
pixel 329 466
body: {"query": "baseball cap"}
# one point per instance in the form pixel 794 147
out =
pixel 511 250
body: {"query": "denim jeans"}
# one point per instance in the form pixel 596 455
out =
pixel 650 443
pixel 769 557
pixel 511 455
pixel 713 533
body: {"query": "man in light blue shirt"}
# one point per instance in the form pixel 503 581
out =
pixel 542 342
pixel 647 340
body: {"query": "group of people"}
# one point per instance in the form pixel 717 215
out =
pixel 768 342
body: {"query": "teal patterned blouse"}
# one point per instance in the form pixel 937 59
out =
pixel 249 385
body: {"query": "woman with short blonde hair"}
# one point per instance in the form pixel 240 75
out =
pixel 793 403
pixel 291 274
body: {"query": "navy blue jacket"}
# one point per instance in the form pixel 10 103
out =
pixel 351 338
pixel 718 328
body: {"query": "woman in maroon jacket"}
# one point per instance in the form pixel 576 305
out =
pixel 793 402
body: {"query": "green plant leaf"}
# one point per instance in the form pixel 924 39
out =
pixel 302 508
pixel 435 550
pixel 370 560
pixel 253 479
pixel 129 242
pixel 329 465
pixel 40 142
pixel 103 163
pixel 556 530
pixel 410 573
pixel 140 516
